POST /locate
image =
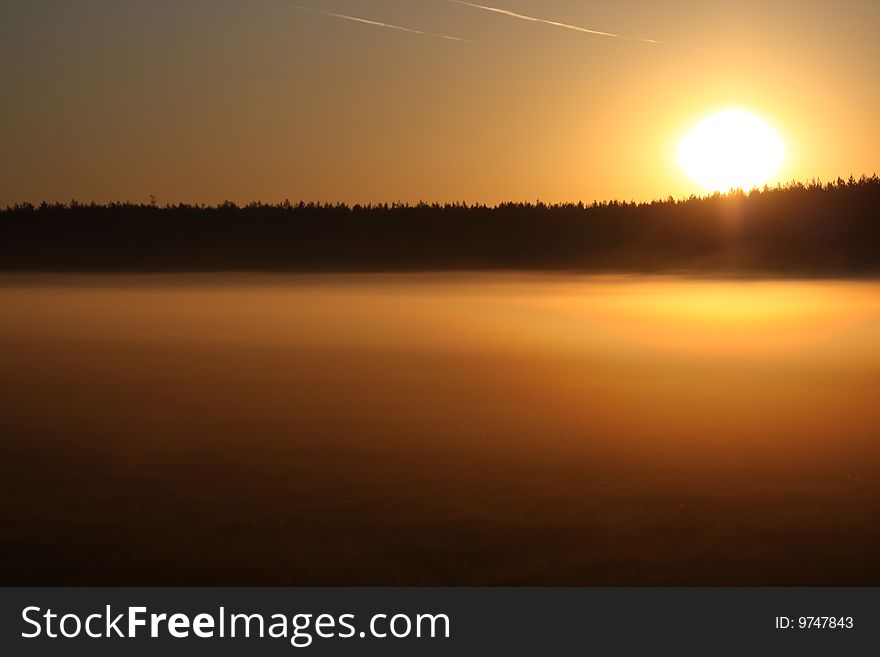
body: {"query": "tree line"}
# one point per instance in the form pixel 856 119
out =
pixel 797 228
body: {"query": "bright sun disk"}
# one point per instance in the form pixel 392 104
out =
pixel 732 149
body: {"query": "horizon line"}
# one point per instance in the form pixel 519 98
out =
pixel 813 184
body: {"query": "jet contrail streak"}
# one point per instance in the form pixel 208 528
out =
pixel 379 24
pixel 532 19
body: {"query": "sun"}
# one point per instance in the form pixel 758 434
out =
pixel 732 149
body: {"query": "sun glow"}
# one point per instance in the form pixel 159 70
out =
pixel 732 149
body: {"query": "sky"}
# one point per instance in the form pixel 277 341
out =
pixel 405 100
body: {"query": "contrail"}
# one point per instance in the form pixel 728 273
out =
pixel 379 24
pixel 532 19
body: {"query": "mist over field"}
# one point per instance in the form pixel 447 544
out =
pixel 438 429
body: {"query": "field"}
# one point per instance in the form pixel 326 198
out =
pixel 438 429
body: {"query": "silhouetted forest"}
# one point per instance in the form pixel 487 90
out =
pixel 799 229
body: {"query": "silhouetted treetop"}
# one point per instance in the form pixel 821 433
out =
pixel 812 228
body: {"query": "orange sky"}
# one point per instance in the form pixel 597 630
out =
pixel 201 101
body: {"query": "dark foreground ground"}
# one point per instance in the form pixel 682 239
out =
pixel 438 430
